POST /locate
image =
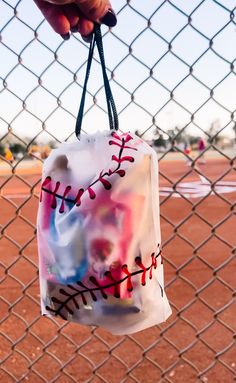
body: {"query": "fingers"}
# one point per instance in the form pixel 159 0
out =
pixel 76 15
pixel 78 22
pixel 99 11
pixel 72 13
pixel 55 15
pixel 85 27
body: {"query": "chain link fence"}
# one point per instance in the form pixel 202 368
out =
pixel 172 70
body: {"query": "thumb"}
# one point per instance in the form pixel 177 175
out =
pixel 99 11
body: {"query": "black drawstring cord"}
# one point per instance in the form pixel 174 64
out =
pixel 111 108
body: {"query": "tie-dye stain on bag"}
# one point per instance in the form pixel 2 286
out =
pixel 99 234
pixel 100 258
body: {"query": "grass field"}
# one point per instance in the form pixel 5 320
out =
pixel 196 344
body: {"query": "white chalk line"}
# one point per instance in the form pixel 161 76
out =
pixel 194 189
pixel 198 189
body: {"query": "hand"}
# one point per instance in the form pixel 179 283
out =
pixel 76 15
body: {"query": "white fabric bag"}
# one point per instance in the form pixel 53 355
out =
pixel 99 240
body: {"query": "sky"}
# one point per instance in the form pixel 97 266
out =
pixel 164 69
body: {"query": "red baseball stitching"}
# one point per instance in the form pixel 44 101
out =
pixel 102 177
pixel 114 283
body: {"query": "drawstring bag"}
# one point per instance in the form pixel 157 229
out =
pixel 100 258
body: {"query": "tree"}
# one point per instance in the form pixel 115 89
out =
pixel 17 148
pixel 2 149
pixel 177 135
pixel 193 140
pixel 213 130
pixel 234 129
pixel 160 141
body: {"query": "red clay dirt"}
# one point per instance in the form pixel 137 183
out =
pixel 196 344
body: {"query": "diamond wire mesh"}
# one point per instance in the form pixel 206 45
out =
pixel 198 342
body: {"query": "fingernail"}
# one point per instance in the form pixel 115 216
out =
pixel 109 18
pixel 66 36
pixel 88 38
pixel 74 29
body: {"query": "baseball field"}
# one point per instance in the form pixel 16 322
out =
pixel 196 344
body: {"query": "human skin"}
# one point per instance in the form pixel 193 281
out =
pixel 66 16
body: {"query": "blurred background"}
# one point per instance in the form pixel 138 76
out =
pixel 171 66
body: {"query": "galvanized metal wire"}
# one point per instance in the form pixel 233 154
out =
pixel 197 344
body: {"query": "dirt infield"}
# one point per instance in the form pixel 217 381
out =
pixel 196 344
